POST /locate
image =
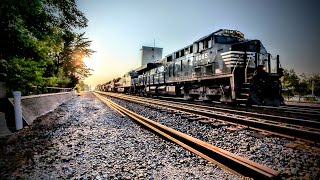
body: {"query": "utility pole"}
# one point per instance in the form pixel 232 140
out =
pixel 312 88
pixel 154 46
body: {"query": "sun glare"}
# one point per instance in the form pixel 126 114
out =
pixel 90 62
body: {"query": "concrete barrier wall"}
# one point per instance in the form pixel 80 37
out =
pixel 37 105
pixel 3 125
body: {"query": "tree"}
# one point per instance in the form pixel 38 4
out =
pixel 289 81
pixel 32 37
pixel 300 86
pixel 76 47
pixel 81 86
pixel 301 89
pixel 313 83
pixel 315 79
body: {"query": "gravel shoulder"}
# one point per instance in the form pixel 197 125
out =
pixel 83 138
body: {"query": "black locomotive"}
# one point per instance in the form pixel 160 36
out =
pixel 222 66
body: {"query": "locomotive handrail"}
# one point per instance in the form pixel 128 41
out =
pixel 232 85
pixel 245 71
pixel 235 66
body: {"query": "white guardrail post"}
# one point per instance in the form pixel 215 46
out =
pixel 17 109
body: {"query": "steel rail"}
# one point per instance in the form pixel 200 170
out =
pixel 277 118
pixel 224 159
pixel 110 105
pixel 289 120
pixel 275 127
pixel 302 106
pixel 312 125
pixel 294 109
pixel 281 111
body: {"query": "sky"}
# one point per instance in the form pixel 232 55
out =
pixel 119 28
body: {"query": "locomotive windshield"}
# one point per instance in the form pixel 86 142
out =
pixel 226 39
pixel 250 46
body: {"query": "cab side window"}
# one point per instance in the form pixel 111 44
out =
pixel 177 55
pixel 201 47
pixel 182 53
pixel 195 47
pixel 210 43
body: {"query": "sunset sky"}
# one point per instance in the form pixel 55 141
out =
pixel 119 28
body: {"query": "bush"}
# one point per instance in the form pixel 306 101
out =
pixel 311 99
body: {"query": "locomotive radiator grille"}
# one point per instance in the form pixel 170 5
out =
pixel 235 58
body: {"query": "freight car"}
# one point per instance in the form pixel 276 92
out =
pixel 222 66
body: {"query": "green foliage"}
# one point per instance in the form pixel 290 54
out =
pixel 294 85
pixel 76 47
pixel 315 79
pixel 311 99
pixel 38 47
pixel 57 81
pixel 81 86
pixel 289 81
pixel 24 73
pixel 4 66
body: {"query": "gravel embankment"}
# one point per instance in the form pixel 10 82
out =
pixel 298 163
pixel 84 139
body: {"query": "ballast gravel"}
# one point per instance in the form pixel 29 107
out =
pixel 302 162
pixel 85 139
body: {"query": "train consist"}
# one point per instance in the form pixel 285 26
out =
pixel 222 66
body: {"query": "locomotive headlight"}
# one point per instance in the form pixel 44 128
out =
pixel 264 68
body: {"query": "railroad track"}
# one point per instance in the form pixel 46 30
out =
pixel 282 119
pixel 305 112
pixel 224 159
pixel 287 127
pixel 299 112
pixel 316 107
